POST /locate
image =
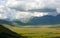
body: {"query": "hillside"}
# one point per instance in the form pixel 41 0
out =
pixel 7 33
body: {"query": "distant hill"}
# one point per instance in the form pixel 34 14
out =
pixel 12 23
pixel 6 22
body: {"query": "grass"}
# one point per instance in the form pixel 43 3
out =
pixel 39 32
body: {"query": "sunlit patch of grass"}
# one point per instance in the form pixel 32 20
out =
pixel 40 32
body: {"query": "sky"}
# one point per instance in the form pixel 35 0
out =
pixel 19 9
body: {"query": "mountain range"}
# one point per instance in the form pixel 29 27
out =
pixel 47 19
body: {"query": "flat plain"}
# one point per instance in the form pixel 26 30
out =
pixel 38 32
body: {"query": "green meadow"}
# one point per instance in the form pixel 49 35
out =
pixel 38 32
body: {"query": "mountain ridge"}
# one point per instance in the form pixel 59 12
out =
pixel 47 19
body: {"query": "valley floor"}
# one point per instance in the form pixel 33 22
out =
pixel 39 32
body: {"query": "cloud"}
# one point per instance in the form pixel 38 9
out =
pixel 25 4
pixel 26 16
pixel 30 4
pixel 19 9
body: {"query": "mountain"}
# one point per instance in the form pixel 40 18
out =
pixel 19 22
pixel 2 21
pixel 57 19
pixel 7 33
pixel 48 19
pixel 11 23
pixel 41 20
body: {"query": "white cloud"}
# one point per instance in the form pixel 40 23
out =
pixel 39 14
pixel 25 4
pixel 58 10
pixel 12 8
pixel 31 4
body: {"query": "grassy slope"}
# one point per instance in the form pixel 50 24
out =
pixel 40 32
